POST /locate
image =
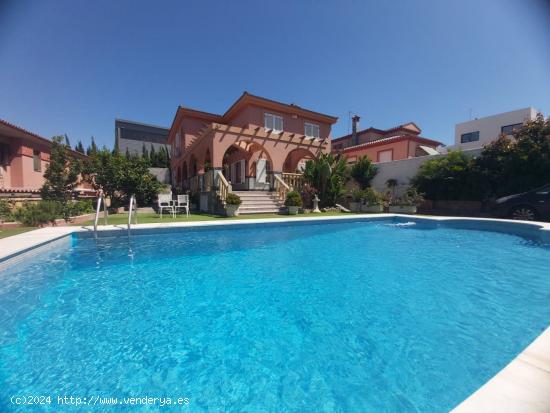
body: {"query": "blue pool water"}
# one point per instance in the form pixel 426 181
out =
pixel 324 317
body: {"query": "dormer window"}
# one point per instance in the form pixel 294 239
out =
pixel 311 130
pixel 273 122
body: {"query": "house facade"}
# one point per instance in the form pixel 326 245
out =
pixel 254 145
pixel 24 157
pixel 401 142
pixel 131 137
pixel 476 133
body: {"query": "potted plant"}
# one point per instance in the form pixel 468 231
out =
pixel 408 203
pixel 373 201
pixel 232 203
pixel 293 202
pixel 356 200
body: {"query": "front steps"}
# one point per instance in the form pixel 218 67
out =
pixel 258 202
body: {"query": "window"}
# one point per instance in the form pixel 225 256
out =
pixel 4 154
pixel 510 129
pixel 469 137
pixel 311 130
pixel 273 122
pixel 385 156
pixel 36 160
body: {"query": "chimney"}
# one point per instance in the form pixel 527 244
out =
pixel 354 138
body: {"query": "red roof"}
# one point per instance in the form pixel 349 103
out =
pixel 391 139
pixel 34 135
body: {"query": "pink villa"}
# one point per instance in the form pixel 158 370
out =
pixel 257 145
pixel 401 142
pixel 24 157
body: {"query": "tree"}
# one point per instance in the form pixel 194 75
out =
pixel 92 149
pixel 145 154
pixel 79 147
pixel 67 142
pixel 516 164
pixel 327 174
pixel 363 171
pixel 119 177
pixel 61 175
pixel 450 177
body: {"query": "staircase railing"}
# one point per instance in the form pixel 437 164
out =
pixel 281 187
pixel 100 200
pixel 294 181
pixel 225 187
pixel 132 209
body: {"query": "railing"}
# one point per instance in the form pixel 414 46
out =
pixel 132 209
pixel 225 187
pixel 294 181
pixel 281 187
pixel 100 200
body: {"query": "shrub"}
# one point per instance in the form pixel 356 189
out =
pixel 410 198
pixel 38 213
pixel 5 210
pixel 327 174
pixel 233 199
pixel 293 198
pixel 357 195
pixel 363 171
pixel 372 197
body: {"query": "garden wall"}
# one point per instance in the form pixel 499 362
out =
pixel 404 170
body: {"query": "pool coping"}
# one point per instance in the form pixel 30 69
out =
pixel 523 385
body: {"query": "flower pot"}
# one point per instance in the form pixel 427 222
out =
pixel 403 209
pixel 293 210
pixel 232 210
pixel 354 206
pixel 372 208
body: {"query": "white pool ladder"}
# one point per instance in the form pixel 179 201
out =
pixel 100 200
pixel 132 209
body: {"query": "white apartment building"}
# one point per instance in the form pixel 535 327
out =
pixel 478 132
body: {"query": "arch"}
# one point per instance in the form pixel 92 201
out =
pixel 240 159
pixel 294 158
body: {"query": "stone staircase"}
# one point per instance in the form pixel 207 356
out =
pixel 258 202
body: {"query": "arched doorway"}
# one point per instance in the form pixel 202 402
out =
pixel 247 166
pixel 296 159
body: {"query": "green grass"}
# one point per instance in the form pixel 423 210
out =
pixel 8 232
pixel 149 217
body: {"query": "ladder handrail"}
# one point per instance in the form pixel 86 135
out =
pixel 131 208
pixel 100 199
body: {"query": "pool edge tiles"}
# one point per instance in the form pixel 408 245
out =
pixel 523 385
pixel 506 391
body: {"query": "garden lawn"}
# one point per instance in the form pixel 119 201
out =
pixel 151 217
pixel 8 232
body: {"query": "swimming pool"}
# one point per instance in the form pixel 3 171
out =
pixel 375 315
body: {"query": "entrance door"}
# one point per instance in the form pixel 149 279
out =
pixel 237 172
pixel 261 171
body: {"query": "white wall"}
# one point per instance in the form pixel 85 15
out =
pixel 404 170
pixel 489 127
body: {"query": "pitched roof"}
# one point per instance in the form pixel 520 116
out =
pixel 409 127
pixel 248 99
pixel 24 133
pixel 396 138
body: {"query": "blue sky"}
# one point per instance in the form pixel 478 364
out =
pixel 73 66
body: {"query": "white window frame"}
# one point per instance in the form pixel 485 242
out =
pixel 270 117
pixel 312 126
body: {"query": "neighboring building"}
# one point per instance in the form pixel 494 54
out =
pixel 478 132
pixel 401 142
pixel 133 136
pixel 24 157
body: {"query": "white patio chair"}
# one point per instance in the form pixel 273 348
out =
pixel 165 202
pixel 182 203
